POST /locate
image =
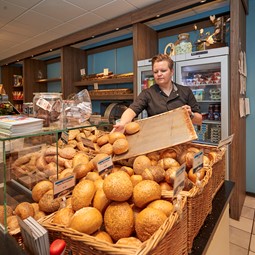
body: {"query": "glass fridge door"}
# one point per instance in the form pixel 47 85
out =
pixel 208 80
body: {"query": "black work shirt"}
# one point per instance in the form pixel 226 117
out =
pixel 155 101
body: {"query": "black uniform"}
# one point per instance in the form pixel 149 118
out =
pixel 155 101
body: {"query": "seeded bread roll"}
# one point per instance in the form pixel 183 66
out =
pixel 132 128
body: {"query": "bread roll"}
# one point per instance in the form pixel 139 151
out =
pixel 106 149
pixel 154 173
pixel 63 216
pixel 120 146
pixel 9 212
pixel 165 206
pixel 132 128
pixel 129 241
pixel 140 163
pixel 12 223
pixel 103 236
pixel 116 135
pixel 40 189
pixel 48 204
pixel 82 169
pixel 24 210
pixel 86 220
pixel 104 139
pixel 100 200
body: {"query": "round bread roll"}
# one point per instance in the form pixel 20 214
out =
pixel 93 176
pixel 83 194
pixel 155 155
pixel 199 175
pixel 98 158
pixel 170 175
pixel 12 222
pixel 106 149
pixel 166 163
pixel 148 221
pixel 9 212
pixel 80 158
pixel 132 128
pixel 36 207
pixel 145 192
pixel 165 186
pixel 135 179
pixel 40 189
pixel 24 210
pixel 116 135
pixel 82 169
pixel 165 206
pixel 168 153
pixel 99 184
pixel 38 215
pixel 118 186
pixel 119 220
pixel 127 169
pixel 48 204
pixel 120 146
pixel 154 173
pixel 86 220
pixel 140 163
pixel 103 236
pixel 129 241
pixel 212 155
pixel 63 216
pixel 100 200
pixel 104 139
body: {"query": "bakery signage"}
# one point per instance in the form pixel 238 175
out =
pixel 105 165
pixel 63 186
pixel 179 181
pixel 198 161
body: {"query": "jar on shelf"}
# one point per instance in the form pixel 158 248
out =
pixel 48 106
pixel 183 44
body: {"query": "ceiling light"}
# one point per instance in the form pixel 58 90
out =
pixel 157 16
pixel 50 49
pixel 117 28
pixel 202 1
pixel 92 36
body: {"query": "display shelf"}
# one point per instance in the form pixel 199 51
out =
pixel 113 97
pixel 103 81
pixel 48 80
pixel 211 121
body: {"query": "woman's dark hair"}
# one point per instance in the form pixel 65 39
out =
pixel 163 57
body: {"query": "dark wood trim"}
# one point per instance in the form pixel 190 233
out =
pixel 246 6
pixel 53 60
pixel 103 81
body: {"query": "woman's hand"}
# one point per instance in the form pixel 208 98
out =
pixel 118 127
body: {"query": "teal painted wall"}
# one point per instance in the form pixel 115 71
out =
pixel 250 122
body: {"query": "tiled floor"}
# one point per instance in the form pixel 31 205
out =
pixel 242 232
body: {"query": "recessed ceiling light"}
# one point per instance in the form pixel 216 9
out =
pixel 157 16
pixel 50 49
pixel 92 36
pixel 202 1
pixel 117 28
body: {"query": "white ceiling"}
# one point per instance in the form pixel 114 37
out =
pixel 25 24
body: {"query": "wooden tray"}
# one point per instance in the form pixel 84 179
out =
pixel 159 132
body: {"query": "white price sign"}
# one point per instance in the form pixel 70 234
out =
pixel 198 161
pixel 63 186
pixel 179 180
pixel 104 164
pixel 226 141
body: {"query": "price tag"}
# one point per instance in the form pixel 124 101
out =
pixel 198 161
pixel 64 137
pixel 106 71
pixel 105 164
pixel 44 104
pixel 226 141
pixel 179 180
pixel 95 85
pixel 87 142
pixel 82 71
pixel 63 186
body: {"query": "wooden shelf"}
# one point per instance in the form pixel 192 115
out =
pixel 103 81
pixel 48 80
pixel 113 97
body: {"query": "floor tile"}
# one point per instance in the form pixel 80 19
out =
pixel 252 245
pixel 247 212
pixel 237 250
pixel 249 201
pixel 243 223
pixel 239 237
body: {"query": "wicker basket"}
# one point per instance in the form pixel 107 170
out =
pixel 199 205
pixel 170 239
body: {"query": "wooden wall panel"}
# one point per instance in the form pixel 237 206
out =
pixel 238 125
pixel 72 60
pixel 145 45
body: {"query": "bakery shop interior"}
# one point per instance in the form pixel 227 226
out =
pixel 126 127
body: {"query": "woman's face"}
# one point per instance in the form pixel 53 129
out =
pixel 162 73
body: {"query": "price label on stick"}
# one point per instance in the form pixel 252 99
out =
pixel 198 161
pixel 105 164
pixel 226 141
pixel 179 180
pixel 63 186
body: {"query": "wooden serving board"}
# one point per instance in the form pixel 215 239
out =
pixel 160 132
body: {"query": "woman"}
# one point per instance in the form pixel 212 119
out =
pixel 163 96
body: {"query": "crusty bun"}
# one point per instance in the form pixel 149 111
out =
pixel 63 216
pixel 24 210
pixel 154 173
pixel 103 236
pixel 118 186
pixel 119 220
pixel 145 192
pixel 103 140
pixel 83 194
pixel 136 178
pixel 165 206
pixel 129 241
pixel 120 146
pixel 107 149
pixel 9 212
pixel 86 220
pixel 48 204
pixel 114 136
pixel 132 128
pixel 82 169
pixel 38 215
pixel 40 189
pixel 148 221
pixel 140 163
pixel 100 200
pixel 12 222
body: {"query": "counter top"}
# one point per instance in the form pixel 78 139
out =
pixel 219 203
